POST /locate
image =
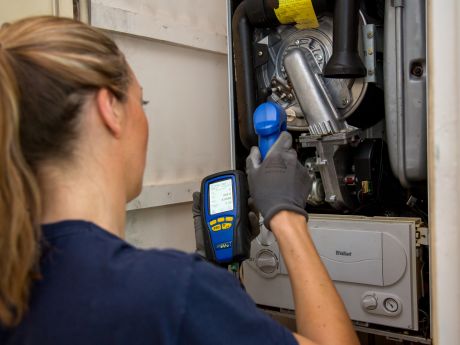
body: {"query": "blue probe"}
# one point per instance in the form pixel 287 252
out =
pixel 269 122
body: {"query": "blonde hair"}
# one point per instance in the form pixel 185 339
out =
pixel 48 67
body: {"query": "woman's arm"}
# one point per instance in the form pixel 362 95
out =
pixel 320 314
pixel 279 186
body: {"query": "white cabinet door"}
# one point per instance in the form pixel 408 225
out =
pixel 178 50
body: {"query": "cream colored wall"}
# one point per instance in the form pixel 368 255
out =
pixel 444 167
pixel 11 10
pixel 14 9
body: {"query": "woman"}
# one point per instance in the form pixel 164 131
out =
pixel 72 153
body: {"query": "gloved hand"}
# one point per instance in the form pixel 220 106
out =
pixel 199 231
pixel 279 182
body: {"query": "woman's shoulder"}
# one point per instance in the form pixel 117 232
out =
pixel 162 263
pixel 87 260
pixel 94 252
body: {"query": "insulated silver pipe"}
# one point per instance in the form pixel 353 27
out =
pixel 313 97
pixel 399 40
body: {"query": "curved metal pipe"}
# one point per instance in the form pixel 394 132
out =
pixel 312 94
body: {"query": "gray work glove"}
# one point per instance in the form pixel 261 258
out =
pixel 199 230
pixel 279 182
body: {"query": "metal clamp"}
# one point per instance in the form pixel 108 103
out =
pixel 370 60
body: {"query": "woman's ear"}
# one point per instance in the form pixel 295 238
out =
pixel 109 111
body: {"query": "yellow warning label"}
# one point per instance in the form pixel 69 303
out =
pixel 300 12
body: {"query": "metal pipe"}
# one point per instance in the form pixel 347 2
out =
pixel 311 92
pixel 231 92
pixel 399 43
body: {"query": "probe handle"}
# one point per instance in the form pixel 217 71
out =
pixel 269 122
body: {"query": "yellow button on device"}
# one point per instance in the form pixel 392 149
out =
pixel 229 219
pixel 220 220
pixel 226 226
pixel 216 227
pixel 212 222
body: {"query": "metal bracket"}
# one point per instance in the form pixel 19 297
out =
pixel 331 165
pixel 261 54
pixel 421 236
pixel 369 33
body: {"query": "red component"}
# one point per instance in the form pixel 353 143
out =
pixel 350 180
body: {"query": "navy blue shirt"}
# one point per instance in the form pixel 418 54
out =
pixel 98 289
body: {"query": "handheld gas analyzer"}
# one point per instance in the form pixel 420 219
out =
pixel 224 201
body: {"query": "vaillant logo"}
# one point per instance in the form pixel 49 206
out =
pixel 342 253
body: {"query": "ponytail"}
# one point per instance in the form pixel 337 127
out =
pixel 19 206
pixel 48 66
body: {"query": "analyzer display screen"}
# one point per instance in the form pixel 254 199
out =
pixel 220 197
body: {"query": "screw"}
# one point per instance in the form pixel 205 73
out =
pixel 370 34
pixel 370 51
pixel 345 101
pixel 291 96
pixel 417 70
pixel 412 201
pixel 290 114
pixel 260 53
pixel 319 58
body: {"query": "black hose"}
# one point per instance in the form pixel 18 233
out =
pixel 345 61
pixel 242 32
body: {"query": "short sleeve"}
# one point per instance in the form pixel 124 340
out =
pixel 219 311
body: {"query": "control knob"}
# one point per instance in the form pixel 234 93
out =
pixel 267 261
pixel 369 302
